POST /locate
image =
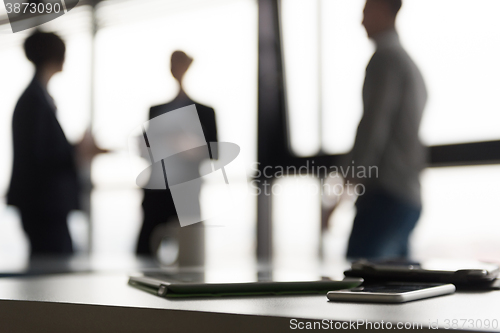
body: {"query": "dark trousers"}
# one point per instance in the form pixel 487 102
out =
pixel 382 226
pixel 158 207
pixel 47 231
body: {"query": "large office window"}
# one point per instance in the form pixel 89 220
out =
pixel 453 42
pixel 301 59
pixel 133 48
pixel 455 45
pixel 460 216
pixel 133 44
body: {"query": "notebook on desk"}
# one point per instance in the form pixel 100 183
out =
pixel 236 283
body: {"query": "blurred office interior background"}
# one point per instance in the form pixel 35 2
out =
pixel 110 80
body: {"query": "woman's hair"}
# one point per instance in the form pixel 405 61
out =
pixel 44 47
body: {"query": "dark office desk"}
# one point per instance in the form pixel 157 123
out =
pixel 105 303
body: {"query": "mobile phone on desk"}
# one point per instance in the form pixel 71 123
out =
pixel 464 274
pixel 391 292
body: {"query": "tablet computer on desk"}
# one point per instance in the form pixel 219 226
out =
pixel 180 284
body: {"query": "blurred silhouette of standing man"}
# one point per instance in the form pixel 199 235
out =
pixel 158 205
pixel 394 98
pixel 44 184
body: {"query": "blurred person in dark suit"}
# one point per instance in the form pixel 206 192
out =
pixel 158 205
pixel 394 98
pixel 44 184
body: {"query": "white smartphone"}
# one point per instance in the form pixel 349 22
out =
pixel 393 292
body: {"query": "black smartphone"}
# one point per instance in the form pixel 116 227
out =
pixel 460 273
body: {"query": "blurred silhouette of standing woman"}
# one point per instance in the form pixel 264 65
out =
pixel 44 184
pixel 158 205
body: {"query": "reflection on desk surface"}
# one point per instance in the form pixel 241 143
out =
pixel 48 265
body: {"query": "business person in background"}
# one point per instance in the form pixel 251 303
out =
pixel 158 205
pixel 394 97
pixel 44 184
